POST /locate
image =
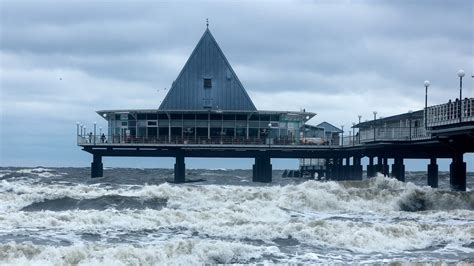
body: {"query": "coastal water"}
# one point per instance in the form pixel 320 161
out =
pixel 57 216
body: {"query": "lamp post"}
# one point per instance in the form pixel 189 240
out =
pixel 460 75
pixel 375 118
pixel 77 128
pixel 427 84
pixel 358 130
pixel 100 131
pixel 353 133
pixel 95 125
pixel 269 128
pixel 81 129
pixel 342 138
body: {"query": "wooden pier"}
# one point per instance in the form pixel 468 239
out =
pixel 443 138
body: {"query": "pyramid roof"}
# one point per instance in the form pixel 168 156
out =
pixel 207 81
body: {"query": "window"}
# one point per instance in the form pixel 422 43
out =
pixel 208 83
pixel 152 123
pixel 151 116
pixel 207 103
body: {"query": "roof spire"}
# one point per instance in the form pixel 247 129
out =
pixel 207 23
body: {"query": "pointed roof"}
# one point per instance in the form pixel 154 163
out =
pixel 207 61
pixel 329 128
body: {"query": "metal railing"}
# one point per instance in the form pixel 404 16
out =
pixel 450 113
pixel 364 136
pixel 386 134
pixel 165 140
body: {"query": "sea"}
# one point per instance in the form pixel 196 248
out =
pixel 60 216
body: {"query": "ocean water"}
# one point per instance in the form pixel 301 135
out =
pixel 59 216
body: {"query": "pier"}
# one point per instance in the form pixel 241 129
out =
pixel 207 113
pixel 378 140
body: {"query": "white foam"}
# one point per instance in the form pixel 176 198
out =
pixel 337 215
pixel 40 172
pixel 176 252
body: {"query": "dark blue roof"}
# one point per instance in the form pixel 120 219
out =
pixel 207 62
pixel 329 128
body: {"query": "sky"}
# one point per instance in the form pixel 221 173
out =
pixel 60 61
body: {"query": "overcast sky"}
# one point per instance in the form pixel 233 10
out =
pixel 60 61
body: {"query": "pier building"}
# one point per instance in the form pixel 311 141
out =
pixel 206 104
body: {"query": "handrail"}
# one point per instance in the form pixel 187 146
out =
pixel 450 113
pixel 191 140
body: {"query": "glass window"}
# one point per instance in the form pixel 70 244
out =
pixel 141 132
pixel 243 117
pixel 207 103
pixel 188 116
pixel 202 117
pixel 229 117
pixel 216 117
pixel 151 116
pixel 162 116
pixel 141 116
pixel 207 83
pixel 152 123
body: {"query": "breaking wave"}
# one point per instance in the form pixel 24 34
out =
pixel 179 252
pixel 48 217
pixel 101 203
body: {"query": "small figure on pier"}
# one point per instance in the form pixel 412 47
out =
pixel 102 138
pixel 90 137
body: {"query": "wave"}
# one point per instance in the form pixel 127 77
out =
pixel 368 216
pixel 101 203
pixel 429 199
pixel 377 194
pixel 176 252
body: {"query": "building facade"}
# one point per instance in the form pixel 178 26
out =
pixel 206 104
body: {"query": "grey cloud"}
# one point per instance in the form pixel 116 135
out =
pixel 111 54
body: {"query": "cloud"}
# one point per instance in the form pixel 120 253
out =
pixel 62 61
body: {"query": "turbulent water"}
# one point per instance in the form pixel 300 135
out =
pixel 132 216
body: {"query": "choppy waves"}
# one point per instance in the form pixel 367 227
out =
pixel 307 222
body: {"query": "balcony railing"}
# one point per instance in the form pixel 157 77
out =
pixel 450 113
pixel 165 140
pixel 386 134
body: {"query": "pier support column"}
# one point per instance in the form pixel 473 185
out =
pixel 433 173
pixel 347 170
pixel 179 169
pixel 458 173
pixel 356 169
pixel 371 168
pixel 338 172
pixel 379 166
pixel 385 167
pixel 97 168
pixel 329 169
pixel 398 169
pixel 262 170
